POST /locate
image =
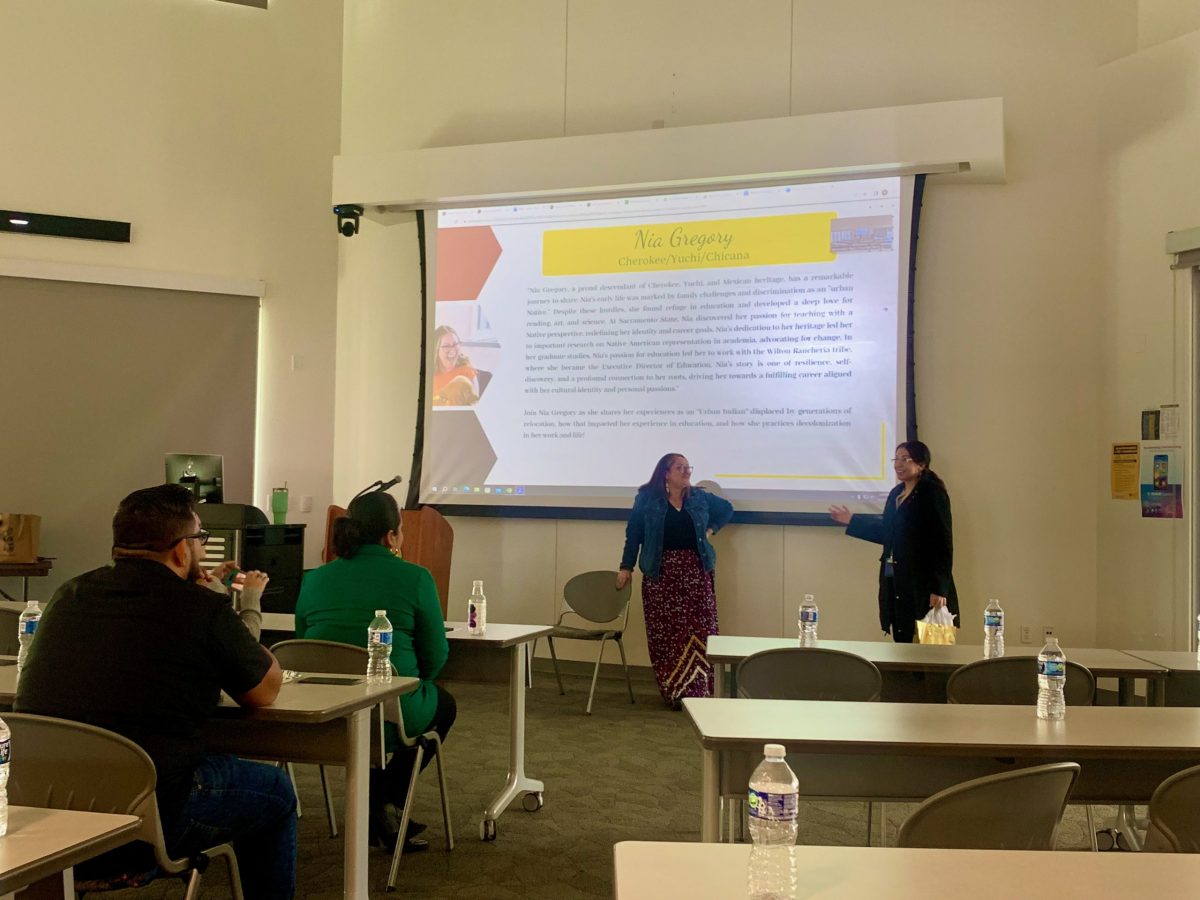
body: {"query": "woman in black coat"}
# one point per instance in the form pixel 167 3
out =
pixel 915 568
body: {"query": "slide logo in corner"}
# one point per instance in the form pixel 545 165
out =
pixel 706 244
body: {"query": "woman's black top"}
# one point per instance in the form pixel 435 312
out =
pixel 918 550
pixel 679 532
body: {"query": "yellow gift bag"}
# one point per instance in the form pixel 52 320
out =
pixel 937 627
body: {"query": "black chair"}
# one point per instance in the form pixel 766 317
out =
pixel 1012 681
pixel 808 673
pixel 1019 810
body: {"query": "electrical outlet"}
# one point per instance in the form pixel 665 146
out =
pixel 1026 634
pixel 1047 632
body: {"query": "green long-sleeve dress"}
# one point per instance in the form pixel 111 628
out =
pixel 338 601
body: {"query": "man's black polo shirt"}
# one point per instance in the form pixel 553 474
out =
pixel 136 649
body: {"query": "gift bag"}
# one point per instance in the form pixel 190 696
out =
pixel 19 537
pixel 937 627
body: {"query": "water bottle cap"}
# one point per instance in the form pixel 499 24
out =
pixel 381 613
pixel 477 584
pixel 774 751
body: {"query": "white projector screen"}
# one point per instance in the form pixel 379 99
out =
pixel 761 332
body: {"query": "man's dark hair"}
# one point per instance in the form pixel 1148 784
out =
pixel 154 517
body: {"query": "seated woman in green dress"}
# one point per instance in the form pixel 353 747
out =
pixel 337 603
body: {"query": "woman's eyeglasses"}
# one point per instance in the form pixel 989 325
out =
pixel 686 470
pixel 901 459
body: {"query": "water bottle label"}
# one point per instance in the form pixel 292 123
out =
pixel 1052 668
pixel 808 616
pixel 381 637
pixel 993 620
pixel 5 749
pixel 772 807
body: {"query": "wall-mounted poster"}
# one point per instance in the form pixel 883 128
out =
pixel 1124 471
pixel 1162 481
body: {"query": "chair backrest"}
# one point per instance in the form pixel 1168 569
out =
pixel 1017 810
pixel 1012 681
pixel 592 596
pixel 9 645
pixel 59 764
pixel 330 657
pixel 335 658
pixel 808 673
pixel 1175 814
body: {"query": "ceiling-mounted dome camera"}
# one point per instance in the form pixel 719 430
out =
pixel 347 218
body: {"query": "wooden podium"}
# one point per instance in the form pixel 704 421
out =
pixel 426 539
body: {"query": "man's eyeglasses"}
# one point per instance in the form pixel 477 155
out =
pixel 201 536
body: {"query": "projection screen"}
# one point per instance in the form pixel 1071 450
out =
pixel 759 331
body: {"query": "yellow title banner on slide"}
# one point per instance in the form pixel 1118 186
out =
pixel 705 244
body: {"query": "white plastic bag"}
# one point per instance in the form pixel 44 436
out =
pixel 937 627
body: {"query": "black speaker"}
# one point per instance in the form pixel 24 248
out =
pixel 64 226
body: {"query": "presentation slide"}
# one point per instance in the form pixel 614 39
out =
pixel 758 331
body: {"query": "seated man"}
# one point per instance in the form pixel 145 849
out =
pixel 141 648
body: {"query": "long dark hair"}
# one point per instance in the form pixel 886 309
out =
pixel 657 485
pixel 919 453
pixel 369 518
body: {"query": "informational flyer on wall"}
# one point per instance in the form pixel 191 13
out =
pixel 1124 471
pixel 1161 481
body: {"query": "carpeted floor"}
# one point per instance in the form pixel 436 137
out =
pixel 627 772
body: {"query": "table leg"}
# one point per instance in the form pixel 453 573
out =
pixel 1125 692
pixel 1156 691
pixel 710 799
pixel 1126 827
pixel 721 678
pixel 517 782
pixel 358 764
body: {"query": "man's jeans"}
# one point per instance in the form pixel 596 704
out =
pixel 252 806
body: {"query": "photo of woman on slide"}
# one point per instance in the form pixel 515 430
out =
pixel 670 524
pixel 915 567
pixel 455 383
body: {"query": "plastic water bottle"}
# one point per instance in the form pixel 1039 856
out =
pixel 477 610
pixel 808 621
pixel 26 626
pixel 5 753
pixel 772 800
pixel 1052 679
pixel 379 649
pixel 993 630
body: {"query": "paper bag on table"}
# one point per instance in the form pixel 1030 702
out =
pixel 937 627
pixel 19 537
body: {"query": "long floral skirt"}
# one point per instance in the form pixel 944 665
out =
pixel 681 612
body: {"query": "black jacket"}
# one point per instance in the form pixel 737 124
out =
pixel 919 537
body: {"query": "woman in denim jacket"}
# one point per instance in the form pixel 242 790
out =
pixel 670 524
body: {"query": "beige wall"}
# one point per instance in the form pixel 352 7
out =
pixel 1150 132
pixel 1009 360
pixel 211 128
pixel 1162 20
